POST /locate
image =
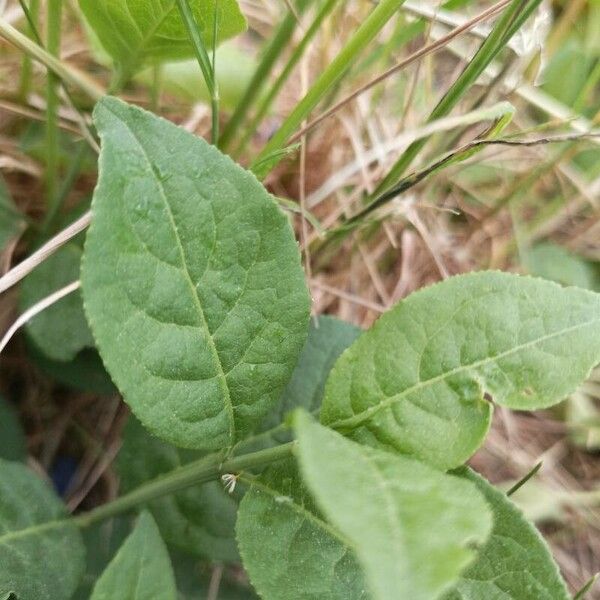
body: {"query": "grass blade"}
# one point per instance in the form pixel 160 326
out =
pixel 511 20
pixel 332 74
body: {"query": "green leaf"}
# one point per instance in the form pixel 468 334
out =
pixel 41 552
pixel 515 563
pixel 191 281
pixel 102 541
pixel 60 331
pixel 553 262
pixel 199 520
pixel 327 338
pixel 11 221
pixel 413 527
pixel 141 569
pixel 415 382
pixel 135 32
pixel 12 439
pixel 288 549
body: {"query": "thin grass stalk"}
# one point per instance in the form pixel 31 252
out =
pixel 53 36
pixel 67 74
pixel 31 14
pixel 202 56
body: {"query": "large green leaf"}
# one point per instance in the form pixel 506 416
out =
pixel 141 569
pixel 327 338
pixel 41 552
pixel 413 528
pixel 200 519
pixel 137 31
pixel 191 281
pixel 60 331
pixel 515 563
pixel 415 382
pixel 12 440
pixel 288 549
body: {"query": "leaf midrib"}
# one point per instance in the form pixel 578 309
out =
pixel 211 344
pixel 359 418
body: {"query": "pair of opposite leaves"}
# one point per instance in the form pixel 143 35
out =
pixel 204 273
pixel 194 291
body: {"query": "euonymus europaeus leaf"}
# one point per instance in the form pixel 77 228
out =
pixel 199 520
pixel 141 569
pixel 191 281
pixel 515 563
pixel 134 32
pixel 12 439
pixel 555 263
pixel 41 552
pixel 327 338
pixel 288 548
pixel 415 382
pixel 413 528
pixel 61 330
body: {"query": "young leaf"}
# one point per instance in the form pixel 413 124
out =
pixel 415 382
pixel 412 526
pixel 288 549
pixel 12 439
pixel 199 520
pixel 515 563
pixel 41 552
pixel 327 338
pixel 134 32
pixel 141 569
pixel 191 280
pixel 60 331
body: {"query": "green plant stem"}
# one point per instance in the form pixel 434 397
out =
pixel 31 13
pixel 296 55
pixel 512 19
pixel 215 96
pixel 261 75
pixel 67 74
pixel 333 73
pixel 200 471
pixel 204 61
pixel 53 24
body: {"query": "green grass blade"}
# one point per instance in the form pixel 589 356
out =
pixel 203 60
pixel 296 55
pixel 511 20
pixel 261 75
pixel 332 74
